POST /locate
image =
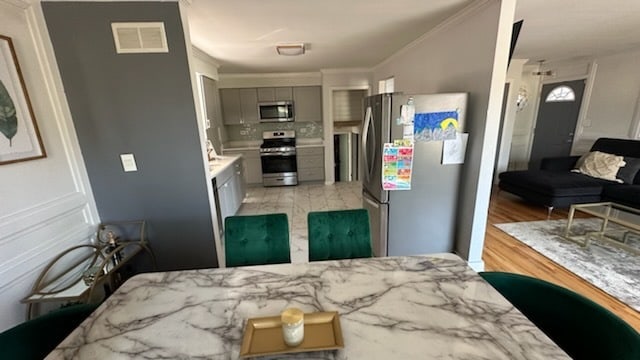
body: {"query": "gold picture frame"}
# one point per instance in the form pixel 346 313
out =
pixel 20 138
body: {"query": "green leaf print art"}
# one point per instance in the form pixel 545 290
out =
pixel 8 119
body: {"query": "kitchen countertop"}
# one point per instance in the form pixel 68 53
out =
pixel 241 145
pixel 408 307
pixel 221 163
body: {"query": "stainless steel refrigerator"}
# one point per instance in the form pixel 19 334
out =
pixel 421 220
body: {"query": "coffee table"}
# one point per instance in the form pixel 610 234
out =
pixel 627 219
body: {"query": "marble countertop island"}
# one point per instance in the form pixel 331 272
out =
pixel 418 307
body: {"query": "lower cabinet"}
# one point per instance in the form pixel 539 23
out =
pixel 230 192
pixel 310 161
pixel 252 167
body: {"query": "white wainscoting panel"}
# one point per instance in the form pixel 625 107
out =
pixel 46 205
pixel 29 240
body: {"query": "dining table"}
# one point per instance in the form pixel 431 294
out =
pixel 406 307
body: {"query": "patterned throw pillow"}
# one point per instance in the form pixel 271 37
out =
pixel 602 165
pixel 628 172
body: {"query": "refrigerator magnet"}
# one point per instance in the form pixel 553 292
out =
pixel 407 113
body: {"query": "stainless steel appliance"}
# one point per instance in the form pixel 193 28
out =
pixel 278 157
pixel 277 111
pixel 421 220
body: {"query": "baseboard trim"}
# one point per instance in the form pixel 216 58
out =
pixel 477 266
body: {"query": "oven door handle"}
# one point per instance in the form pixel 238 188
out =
pixel 290 153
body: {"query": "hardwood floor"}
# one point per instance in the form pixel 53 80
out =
pixel 504 253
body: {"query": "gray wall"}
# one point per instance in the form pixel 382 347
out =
pixel 141 104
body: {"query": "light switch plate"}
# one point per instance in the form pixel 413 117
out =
pixel 128 162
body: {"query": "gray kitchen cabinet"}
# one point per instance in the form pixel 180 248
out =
pixel 266 94
pixel 240 184
pixel 231 110
pixel 225 201
pixel 252 165
pixel 307 103
pixel 230 191
pixel 249 105
pixel 275 94
pixel 239 106
pixel 284 93
pixel 310 161
pixel 216 132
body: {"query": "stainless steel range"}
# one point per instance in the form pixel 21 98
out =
pixel 278 157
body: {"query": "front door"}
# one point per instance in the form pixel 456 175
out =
pixel 557 117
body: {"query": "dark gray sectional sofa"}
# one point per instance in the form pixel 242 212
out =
pixel 554 185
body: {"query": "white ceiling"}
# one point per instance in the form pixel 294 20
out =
pixel 242 34
pixel 568 29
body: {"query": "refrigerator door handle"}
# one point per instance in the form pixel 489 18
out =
pixel 371 202
pixel 365 135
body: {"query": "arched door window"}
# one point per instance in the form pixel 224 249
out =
pixel 560 94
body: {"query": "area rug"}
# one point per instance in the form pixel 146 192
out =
pixel 615 271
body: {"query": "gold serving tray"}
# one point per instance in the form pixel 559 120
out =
pixel 263 336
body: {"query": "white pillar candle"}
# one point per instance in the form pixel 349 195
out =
pixel 292 326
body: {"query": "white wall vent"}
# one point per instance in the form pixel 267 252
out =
pixel 139 37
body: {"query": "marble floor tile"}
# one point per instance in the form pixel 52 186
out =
pixel 296 202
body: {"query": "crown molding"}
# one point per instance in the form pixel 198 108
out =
pixel 198 53
pixel 346 70
pixel 21 4
pixel 271 75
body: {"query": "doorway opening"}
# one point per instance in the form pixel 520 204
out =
pixel 346 152
pixel 558 113
pixel 347 125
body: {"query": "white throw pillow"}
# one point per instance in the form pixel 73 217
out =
pixel 601 165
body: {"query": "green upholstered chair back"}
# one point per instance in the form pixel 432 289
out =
pixel 256 240
pixel 340 234
pixel 582 328
pixel 36 338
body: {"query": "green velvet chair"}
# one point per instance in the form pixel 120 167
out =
pixel 582 328
pixel 36 338
pixel 339 234
pixel 256 240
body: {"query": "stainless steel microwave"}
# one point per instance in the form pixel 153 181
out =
pixel 276 111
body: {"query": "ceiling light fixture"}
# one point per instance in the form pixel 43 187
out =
pixel 543 73
pixel 290 49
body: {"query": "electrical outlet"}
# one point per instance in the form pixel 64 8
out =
pixel 128 162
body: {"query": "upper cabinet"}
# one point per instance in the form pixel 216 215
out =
pixel 275 94
pixel 215 132
pixel 249 105
pixel 307 103
pixel 239 106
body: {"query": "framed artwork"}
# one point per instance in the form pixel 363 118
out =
pixel 19 136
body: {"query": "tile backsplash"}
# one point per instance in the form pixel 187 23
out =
pixel 247 132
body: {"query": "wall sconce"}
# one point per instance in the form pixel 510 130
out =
pixel 522 100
